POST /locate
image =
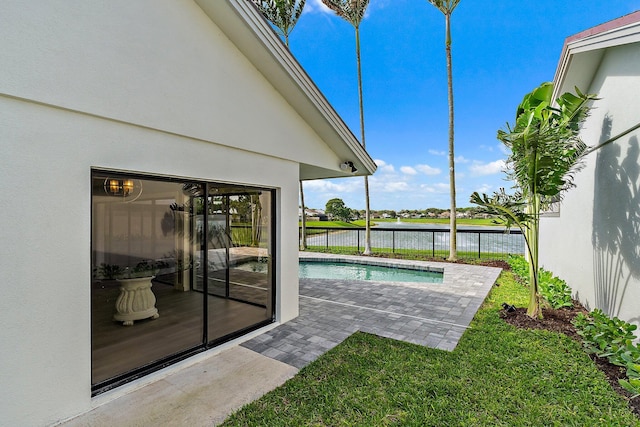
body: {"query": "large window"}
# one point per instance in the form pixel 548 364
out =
pixel 178 266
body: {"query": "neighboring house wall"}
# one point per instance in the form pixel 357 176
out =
pixel 594 242
pixel 146 86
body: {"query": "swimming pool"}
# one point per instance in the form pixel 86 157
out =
pixel 355 271
pixel 376 273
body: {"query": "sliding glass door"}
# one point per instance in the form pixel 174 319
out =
pixel 178 266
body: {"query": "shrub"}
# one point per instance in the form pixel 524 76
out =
pixel 612 338
pixel 554 290
pixel 519 267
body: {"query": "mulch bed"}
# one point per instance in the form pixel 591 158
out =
pixel 560 321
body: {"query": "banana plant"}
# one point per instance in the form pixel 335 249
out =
pixel 545 153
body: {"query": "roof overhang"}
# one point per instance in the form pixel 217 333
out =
pixel 583 52
pixel 245 27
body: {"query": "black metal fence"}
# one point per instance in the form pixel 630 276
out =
pixel 434 242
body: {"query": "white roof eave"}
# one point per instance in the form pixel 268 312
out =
pixel 582 53
pixel 251 34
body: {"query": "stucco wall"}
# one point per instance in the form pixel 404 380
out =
pixel 157 63
pixel 145 86
pixel 594 244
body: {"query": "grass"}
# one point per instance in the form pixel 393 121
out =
pixel 497 376
pixel 330 224
pixel 380 222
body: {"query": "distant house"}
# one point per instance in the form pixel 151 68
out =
pixel 159 139
pixel 592 240
pixel 316 215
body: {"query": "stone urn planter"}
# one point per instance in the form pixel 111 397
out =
pixel 136 301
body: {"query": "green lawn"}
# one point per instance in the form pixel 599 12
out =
pixel 330 224
pixel 497 376
pixel 381 222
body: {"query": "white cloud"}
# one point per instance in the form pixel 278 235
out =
pixel 461 159
pixel 428 170
pixel 481 169
pixel 408 170
pixel 394 187
pixel 333 186
pixel 384 166
pixel 435 188
pixel 437 153
pixel 484 188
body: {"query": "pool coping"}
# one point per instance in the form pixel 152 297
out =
pixel 467 279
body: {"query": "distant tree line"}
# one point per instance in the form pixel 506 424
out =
pixel 336 209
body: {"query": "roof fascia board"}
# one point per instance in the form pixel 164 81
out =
pixel 594 41
pixel 246 28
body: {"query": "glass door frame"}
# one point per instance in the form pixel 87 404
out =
pixel 206 343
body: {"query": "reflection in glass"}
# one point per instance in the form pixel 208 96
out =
pixel 190 241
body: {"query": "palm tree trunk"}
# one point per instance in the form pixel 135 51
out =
pixel 453 253
pixel 367 215
pixel 303 243
pixel 533 309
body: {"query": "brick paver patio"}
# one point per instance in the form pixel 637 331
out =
pixel 429 314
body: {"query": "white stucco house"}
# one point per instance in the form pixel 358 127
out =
pixel 593 242
pixel 168 134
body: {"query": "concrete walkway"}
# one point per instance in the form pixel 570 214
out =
pixel 429 314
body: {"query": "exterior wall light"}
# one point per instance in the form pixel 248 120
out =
pixel 348 166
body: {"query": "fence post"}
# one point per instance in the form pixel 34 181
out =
pixel 433 244
pixel 358 234
pixel 479 245
pixel 327 238
pixel 393 241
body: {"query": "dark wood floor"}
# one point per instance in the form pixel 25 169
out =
pixel 117 349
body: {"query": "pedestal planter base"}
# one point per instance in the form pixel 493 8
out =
pixel 136 301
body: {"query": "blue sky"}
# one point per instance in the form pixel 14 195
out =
pixel 502 49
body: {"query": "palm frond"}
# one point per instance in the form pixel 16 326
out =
pixel 283 14
pixel 445 6
pixel 509 208
pixel 351 11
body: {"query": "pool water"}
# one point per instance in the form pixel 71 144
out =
pixel 349 271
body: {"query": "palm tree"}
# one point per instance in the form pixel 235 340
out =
pixel 447 7
pixel 545 153
pixel 353 11
pixel 284 14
